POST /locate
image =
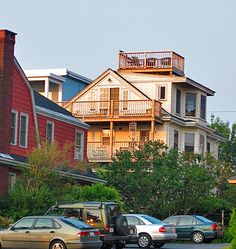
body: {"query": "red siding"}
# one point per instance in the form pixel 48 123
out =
pixel 22 103
pixel 63 133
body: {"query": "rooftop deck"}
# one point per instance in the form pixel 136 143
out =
pixel 167 62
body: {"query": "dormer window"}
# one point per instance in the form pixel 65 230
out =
pixel 190 104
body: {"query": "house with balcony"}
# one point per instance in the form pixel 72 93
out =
pixel 147 98
pixel 58 84
pixel 27 118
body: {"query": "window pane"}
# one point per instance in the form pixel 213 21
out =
pixel 190 106
pixel 186 221
pixel 49 131
pixel 13 128
pixel 132 220
pixel 178 101
pixel 23 131
pixel 44 223
pixel 208 147
pixel 25 223
pixel 203 107
pixel 79 146
pixel 189 142
pixel 202 144
pixel 162 92
pixel 176 139
pixel 94 216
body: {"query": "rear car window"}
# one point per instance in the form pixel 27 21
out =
pixel 94 216
pixel 151 219
pixel 112 211
pixel 75 223
pixel 67 212
pixel 203 219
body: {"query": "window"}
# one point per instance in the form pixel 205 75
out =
pixel 125 98
pixel 203 107
pixel 202 145
pixel 44 223
pixel 132 220
pixel 172 220
pixel 50 132
pixel 25 223
pixel 11 180
pixel 94 216
pixel 176 139
pixel 189 142
pixel 190 104
pixel 92 98
pixel 23 130
pixel 104 98
pixel 13 135
pixel 186 220
pixel 79 146
pixel 178 101
pixel 208 147
pixel 106 135
pixel 161 92
pixel 132 130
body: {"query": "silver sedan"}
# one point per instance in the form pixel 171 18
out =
pixel 151 231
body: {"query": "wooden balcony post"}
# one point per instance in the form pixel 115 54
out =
pixel 111 108
pixel 153 108
pixel 152 130
pixel 111 138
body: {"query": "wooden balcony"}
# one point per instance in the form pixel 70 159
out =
pixel 167 62
pixel 129 110
pixel 103 151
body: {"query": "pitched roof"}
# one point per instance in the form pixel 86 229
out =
pixel 44 102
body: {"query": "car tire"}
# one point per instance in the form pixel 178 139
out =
pixel 198 237
pixel 121 225
pixel 158 245
pixel 144 240
pixel 57 244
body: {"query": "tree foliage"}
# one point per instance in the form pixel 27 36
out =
pixel 161 182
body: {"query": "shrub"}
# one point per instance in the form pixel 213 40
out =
pixel 232 228
pixel 5 222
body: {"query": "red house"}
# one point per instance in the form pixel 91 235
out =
pixel 27 118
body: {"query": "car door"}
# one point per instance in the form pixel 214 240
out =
pixel 18 236
pixel 184 227
pixel 135 221
pixel 42 233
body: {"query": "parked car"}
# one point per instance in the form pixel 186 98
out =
pixel 105 216
pixel 194 227
pixel 151 231
pixel 48 232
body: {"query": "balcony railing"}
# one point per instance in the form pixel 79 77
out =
pixel 113 108
pixel 102 151
pixel 152 60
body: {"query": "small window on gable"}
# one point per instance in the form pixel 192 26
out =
pixel 79 146
pixel 13 135
pixel 23 130
pixel 50 132
pixel 161 92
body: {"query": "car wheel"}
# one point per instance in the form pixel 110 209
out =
pixel 57 244
pixel 198 237
pixel 144 240
pixel 158 245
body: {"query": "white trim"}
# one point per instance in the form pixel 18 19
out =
pixel 52 135
pixel 16 127
pixel 81 153
pixel 158 91
pixel 196 104
pixel 26 130
pixel 61 117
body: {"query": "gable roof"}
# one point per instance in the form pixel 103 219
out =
pixel 102 76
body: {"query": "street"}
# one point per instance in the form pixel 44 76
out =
pixel 187 246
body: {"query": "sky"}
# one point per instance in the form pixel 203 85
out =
pixel 85 36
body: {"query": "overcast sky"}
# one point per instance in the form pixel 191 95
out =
pixel 86 35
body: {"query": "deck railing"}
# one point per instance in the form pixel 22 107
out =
pixel 113 108
pixel 101 151
pixel 151 60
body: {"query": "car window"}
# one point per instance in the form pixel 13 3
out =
pixel 112 211
pixel 73 213
pixel 75 223
pixel 151 219
pixel 44 223
pixel 24 224
pixel 132 220
pixel 203 219
pixel 186 220
pixel 94 216
pixel 172 220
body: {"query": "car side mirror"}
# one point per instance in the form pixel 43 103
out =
pixel 11 227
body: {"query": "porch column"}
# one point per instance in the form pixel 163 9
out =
pixel 111 138
pixel 46 87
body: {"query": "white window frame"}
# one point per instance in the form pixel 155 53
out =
pixel 16 126
pixel 194 140
pixel 159 92
pixel 196 104
pixel 11 180
pixel 26 130
pixel 81 153
pixel 52 137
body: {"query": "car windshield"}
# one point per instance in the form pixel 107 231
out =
pixel 203 219
pixel 151 219
pixel 75 223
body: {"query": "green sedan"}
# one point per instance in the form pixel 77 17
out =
pixel 49 232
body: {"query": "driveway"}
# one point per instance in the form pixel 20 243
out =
pixel 186 246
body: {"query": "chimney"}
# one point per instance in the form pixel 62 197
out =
pixel 7 41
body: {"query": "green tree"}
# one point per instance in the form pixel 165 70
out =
pixel 232 228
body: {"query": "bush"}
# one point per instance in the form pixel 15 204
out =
pixel 232 228
pixel 5 222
